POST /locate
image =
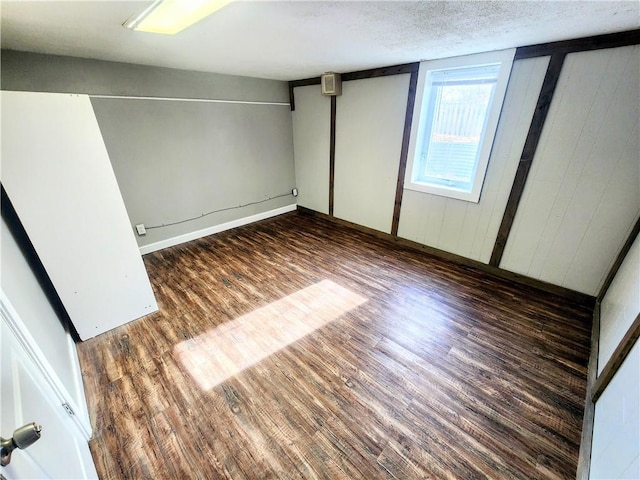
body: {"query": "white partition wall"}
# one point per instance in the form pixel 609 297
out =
pixel 57 173
pixel 311 130
pixel 369 127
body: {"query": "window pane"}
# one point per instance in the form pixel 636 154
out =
pixel 456 132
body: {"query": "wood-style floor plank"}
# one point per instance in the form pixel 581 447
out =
pixel 298 349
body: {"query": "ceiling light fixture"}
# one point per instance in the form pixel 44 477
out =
pixel 172 16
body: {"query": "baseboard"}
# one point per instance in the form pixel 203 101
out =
pixel 570 295
pixel 187 237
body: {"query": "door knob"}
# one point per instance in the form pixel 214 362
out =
pixel 22 438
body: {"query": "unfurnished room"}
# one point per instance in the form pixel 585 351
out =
pixel 248 239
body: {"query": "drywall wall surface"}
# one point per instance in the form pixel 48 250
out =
pixel 583 191
pixel 190 165
pixel 466 228
pixel 369 127
pixel 311 132
pixel 56 171
pixel 615 451
pixel 23 290
pixel 36 72
pixel 620 306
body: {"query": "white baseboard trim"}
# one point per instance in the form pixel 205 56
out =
pixel 187 237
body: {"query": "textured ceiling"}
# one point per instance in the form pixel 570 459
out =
pixel 290 40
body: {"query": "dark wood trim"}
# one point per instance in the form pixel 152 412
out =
pixel 598 42
pixel 381 71
pixel 531 143
pixel 292 98
pixel 305 82
pixel 586 441
pixel 300 83
pixel 563 47
pixel 566 293
pixel 332 153
pixel 619 259
pixel 617 359
pixel 404 151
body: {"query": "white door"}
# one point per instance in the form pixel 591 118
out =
pixel 61 452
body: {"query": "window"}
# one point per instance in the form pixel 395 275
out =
pixel 458 103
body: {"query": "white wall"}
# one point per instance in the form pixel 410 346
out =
pixel 369 127
pixel 466 228
pixel 616 431
pixel 311 131
pixel 615 451
pixel 620 306
pixel 583 191
pixel 56 171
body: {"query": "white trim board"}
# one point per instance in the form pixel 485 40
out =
pixel 187 237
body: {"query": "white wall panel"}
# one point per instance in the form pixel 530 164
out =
pixel 616 427
pixel 583 191
pixel 311 131
pixel 369 127
pixel 466 228
pixel 620 306
pixel 56 170
pixel 30 302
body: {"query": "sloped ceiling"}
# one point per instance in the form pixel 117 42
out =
pixel 290 40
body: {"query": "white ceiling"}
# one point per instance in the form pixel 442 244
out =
pixel 290 40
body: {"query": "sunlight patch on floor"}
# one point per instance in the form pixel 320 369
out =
pixel 228 349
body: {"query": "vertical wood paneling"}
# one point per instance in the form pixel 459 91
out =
pixel 530 145
pixel 369 130
pixel 621 305
pixel 616 436
pixel 583 192
pixel 311 147
pixel 470 229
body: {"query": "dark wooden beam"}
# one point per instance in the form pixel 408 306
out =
pixel 598 42
pixel 586 441
pixel 570 295
pixel 332 153
pixel 526 159
pixel 617 359
pixel 619 259
pixel 404 151
pixel 381 72
pixel 300 83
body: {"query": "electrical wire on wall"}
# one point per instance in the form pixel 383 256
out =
pixel 219 210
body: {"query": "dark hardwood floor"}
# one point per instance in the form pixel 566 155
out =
pixel 296 348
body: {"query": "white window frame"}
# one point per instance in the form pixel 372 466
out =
pixel 419 122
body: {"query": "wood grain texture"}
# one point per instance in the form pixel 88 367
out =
pixel 423 369
pixel 528 152
pixel 569 295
